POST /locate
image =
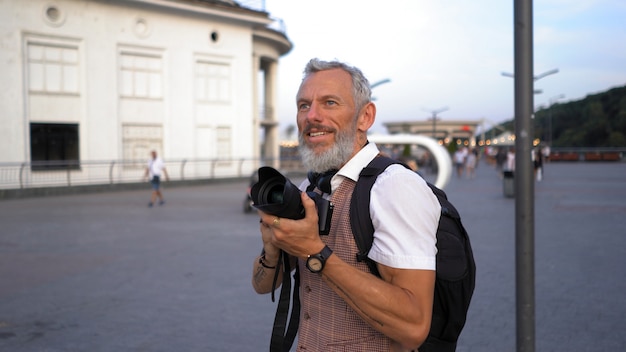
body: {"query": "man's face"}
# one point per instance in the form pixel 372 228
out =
pixel 326 120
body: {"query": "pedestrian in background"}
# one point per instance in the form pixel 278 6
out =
pixel 459 161
pixel 470 163
pixel 538 163
pixel 510 160
pixel 501 156
pixel 154 170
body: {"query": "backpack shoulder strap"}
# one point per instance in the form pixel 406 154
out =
pixel 447 209
pixel 360 220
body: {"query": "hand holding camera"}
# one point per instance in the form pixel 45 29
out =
pixel 299 238
pixel 274 194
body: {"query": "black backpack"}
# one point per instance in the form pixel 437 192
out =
pixel 456 270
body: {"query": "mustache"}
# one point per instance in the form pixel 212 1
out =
pixel 308 128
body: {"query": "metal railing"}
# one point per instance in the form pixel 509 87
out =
pixel 23 175
pixel 588 154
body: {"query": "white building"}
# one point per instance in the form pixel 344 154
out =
pixel 114 79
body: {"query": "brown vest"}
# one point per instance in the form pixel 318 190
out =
pixel 327 323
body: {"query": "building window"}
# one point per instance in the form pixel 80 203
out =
pixel 54 146
pixel 52 68
pixel 223 142
pixel 142 76
pixel 138 141
pixel 212 82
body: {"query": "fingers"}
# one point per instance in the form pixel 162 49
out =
pixel 267 234
pixel 276 222
pixel 309 206
pixel 268 220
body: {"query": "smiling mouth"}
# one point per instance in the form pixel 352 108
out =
pixel 316 134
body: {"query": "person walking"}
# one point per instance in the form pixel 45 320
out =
pixel 510 160
pixel 501 158
pixel 471 162
pixel 154 170
pixel 368 313
pixel 538 163
pixel 459 161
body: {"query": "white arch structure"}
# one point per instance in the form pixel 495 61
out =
pixel 441 155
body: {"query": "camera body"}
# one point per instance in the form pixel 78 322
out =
pixel 276 195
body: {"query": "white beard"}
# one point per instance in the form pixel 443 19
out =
pixel 333 158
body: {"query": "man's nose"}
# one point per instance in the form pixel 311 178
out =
pixel 313 113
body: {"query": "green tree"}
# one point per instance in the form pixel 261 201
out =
pixel 598 120
pixel 617 139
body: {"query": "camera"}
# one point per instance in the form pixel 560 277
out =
pixel 276 195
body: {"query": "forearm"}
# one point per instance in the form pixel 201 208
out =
pixel 263 275
pixel 399 312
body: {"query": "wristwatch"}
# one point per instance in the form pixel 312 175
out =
pixel 315 263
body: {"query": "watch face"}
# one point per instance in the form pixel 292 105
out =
pixel 314 264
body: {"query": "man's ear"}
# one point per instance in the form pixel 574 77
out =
pixel 366 117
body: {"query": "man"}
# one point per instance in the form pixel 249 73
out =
pixel 343 304
pixel 154 170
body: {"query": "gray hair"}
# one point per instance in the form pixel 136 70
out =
pixel 361 91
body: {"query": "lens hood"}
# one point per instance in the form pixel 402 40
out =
pixel 275 194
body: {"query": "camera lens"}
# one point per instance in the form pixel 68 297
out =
pixel 275 195
pixel 272 192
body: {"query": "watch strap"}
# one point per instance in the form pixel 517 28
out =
pixel 325 253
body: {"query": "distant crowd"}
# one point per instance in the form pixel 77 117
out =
pixel 503 158
pixel 465 160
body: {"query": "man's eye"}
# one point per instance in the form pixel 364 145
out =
pixel 331 102
pixel 303 106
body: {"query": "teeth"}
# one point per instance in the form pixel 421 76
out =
pixel 315 134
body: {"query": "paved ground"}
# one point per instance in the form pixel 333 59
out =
pixel 103 272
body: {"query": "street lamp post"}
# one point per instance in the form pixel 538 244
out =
pixel 376 84
pixel 434 117
pixel 552 101
pixel 535 78
pixel 383 81
pixel 523 179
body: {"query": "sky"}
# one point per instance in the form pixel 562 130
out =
pixel 447 56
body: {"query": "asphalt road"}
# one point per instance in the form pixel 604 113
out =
pixel 103 272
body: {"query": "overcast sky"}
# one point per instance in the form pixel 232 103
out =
pixel 450 53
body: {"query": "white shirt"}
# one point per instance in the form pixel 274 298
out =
pixel 459 157
pixel 510 161
pixel 404 211
pixel 155 167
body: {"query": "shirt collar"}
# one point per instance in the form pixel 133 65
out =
pixel 355 165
